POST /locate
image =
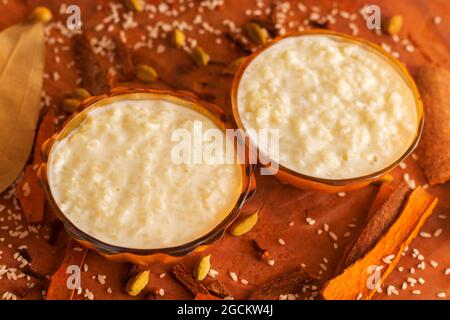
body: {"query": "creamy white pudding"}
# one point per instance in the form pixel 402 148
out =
pixel 113 177
pixel 342 110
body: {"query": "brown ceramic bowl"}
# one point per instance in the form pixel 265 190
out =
pixel 303 181
pixel 144 256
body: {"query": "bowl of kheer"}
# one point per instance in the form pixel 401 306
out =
pixel 111 177
pixel 345 111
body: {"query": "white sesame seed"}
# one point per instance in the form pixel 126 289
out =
pixel 437 20
pixel 161 292
pixel 341 194
pixel 409 48
pixel 406 177
pixel 213 273
pixel 416 292
pixel 101 279
pixel 162 275
pixel 447 271
pixel 400 269
pixel 437 233
pixel 244 282
pixel 441 295
pixel 233 276
pixel 333 236
pixel 433 263
pixel 388 259
pixel 281 241
pixel 271 262
pixel 359 296
pixel 424 234
pixel 326 227
pixel 392 290
pixel 323 267
pixel 89 295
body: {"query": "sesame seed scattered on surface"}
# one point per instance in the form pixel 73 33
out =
pixel 233 276
pixel 438 232
pixel 424 234
pixel 333 236
pixel 388 259
pixel 213 273
pixel 437 20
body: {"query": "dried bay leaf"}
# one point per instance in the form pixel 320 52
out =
pixel 21 73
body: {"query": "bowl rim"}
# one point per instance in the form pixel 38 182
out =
pixel 183 98
pixel 400 68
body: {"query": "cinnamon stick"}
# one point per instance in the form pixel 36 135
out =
pixel 218 288
pixel 288 282
pixel 124 59
pixel 29 192
pixel 377 224
pixel 353 282
pixel 188 281
pixel 93 77
pixel 58 289
pixel 434 147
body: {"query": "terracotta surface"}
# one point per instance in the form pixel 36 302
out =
pixel 281 204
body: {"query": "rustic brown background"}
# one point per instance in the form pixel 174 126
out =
pixel 282 203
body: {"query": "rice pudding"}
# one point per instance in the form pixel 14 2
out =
pixel 113 177
pixel 342 110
